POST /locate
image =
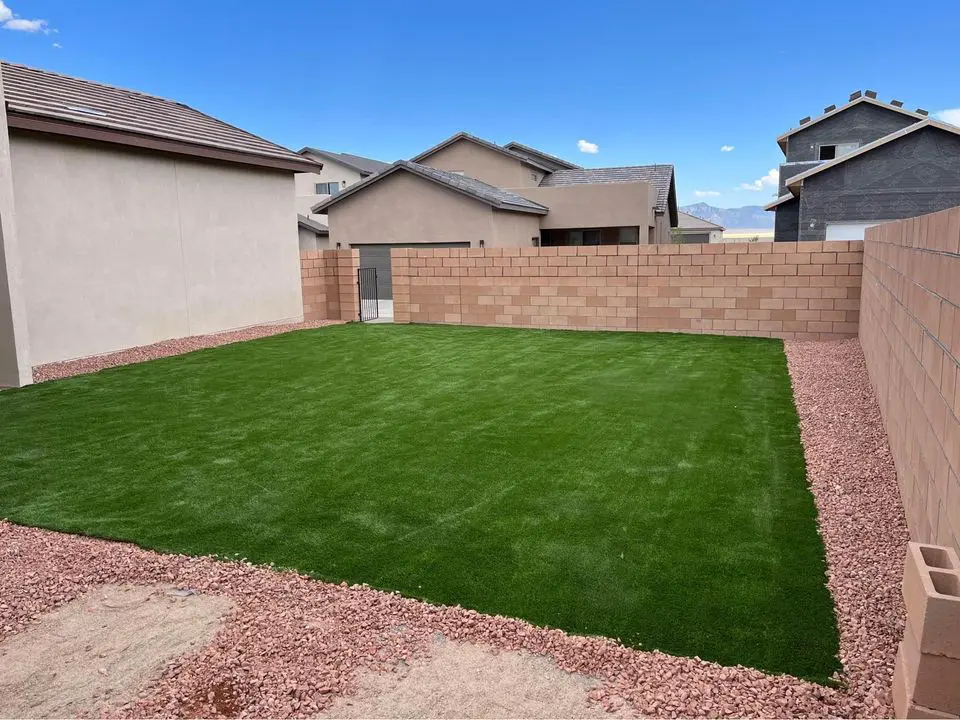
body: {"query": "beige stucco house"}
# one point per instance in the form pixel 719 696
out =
pixel 333 173
pixel 692 229
pixel 469 192
pixel 119 222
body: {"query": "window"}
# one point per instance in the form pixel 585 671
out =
pixel 328 188
pixel 829 152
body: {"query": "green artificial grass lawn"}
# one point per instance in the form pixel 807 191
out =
pixel 646 487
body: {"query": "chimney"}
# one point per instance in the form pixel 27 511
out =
pixel 896 103
pixel 829 108
pixel 855 94
pixel 804 121
pixel 921 111
pixel 872 94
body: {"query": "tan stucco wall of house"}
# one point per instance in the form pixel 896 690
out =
pixel 309 240
pixel 661 229
pixel 483 164
pixel 124 248
pixel 513 229
pixel 593 206
pixel 404 208
pixel 15 368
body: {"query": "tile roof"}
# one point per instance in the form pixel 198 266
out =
pixel 535 154
pixel 540 165
pixel 67 102
pixel 317 227
pixel 659 176
pixel 363 165
pixel 495 197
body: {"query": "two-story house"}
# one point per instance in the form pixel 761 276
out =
pixel 339 171
pixel 862 164
pixel 469 192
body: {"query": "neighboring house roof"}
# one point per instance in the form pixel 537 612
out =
pixel 47 102
pixel 306 223
pixel 692 222
pixel 659 176
pixel 793 183
pixel 782 140
pixel 483 143
pixel 546 158
pixel 495 197
pixel 363 165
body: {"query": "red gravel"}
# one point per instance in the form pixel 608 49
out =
pixel 290 643
pixel 165 348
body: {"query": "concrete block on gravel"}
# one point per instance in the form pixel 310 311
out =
pixel 934 679
pixel 903 703
pixel 931 592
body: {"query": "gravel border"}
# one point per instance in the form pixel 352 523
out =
pixel 166 348
pixel 291 643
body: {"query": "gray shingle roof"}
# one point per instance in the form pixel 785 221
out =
pixel 495 197
pixel 535 154
pixel 691 222
pixel 363 165
pixel 317 227
pixel 659 176
pixel 51 96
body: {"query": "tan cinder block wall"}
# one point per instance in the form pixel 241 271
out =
pixel 808 290
pixel 329 282
pixel 910 333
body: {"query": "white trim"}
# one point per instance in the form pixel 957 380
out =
pixel 779 201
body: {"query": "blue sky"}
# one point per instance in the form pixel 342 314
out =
pixel 668 82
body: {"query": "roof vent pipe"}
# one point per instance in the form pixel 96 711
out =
pixel 855 94
pixel 921 111
pixel 829 108
pixel 872 94
pixel 896 103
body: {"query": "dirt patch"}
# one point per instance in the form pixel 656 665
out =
pixel 101 649
pixel 466 680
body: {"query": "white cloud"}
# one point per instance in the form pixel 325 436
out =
pixel 25 25
pixel 58 46
pixel 706 193
pixel 11 21
pixel 726 148
pixel 588 147
pixel 951 116
pixel 771 179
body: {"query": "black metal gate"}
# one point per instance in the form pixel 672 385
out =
pixel 367 287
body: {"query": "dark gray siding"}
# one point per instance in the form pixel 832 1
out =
pixel 913 175
pixel 862 123
pixel 788 170
pixel 786 225
pixel 696 237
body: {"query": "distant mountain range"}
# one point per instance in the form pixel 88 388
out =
pixel 748 216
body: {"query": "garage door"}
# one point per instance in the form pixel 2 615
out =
pixel 848 231
pixel 378 256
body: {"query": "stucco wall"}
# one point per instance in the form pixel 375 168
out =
pixel 593 206
pixel 513 229
pixel 124 248
pixel 862 123
pixel 404 208
pixel 305 183
pixel 309 240
pixel 484 164
pixel 913 175
pixel 910 334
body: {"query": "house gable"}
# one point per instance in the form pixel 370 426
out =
pixel 498 167
pixel 862 123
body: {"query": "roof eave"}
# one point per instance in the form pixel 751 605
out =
pixel 84 131
pixel 862 99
